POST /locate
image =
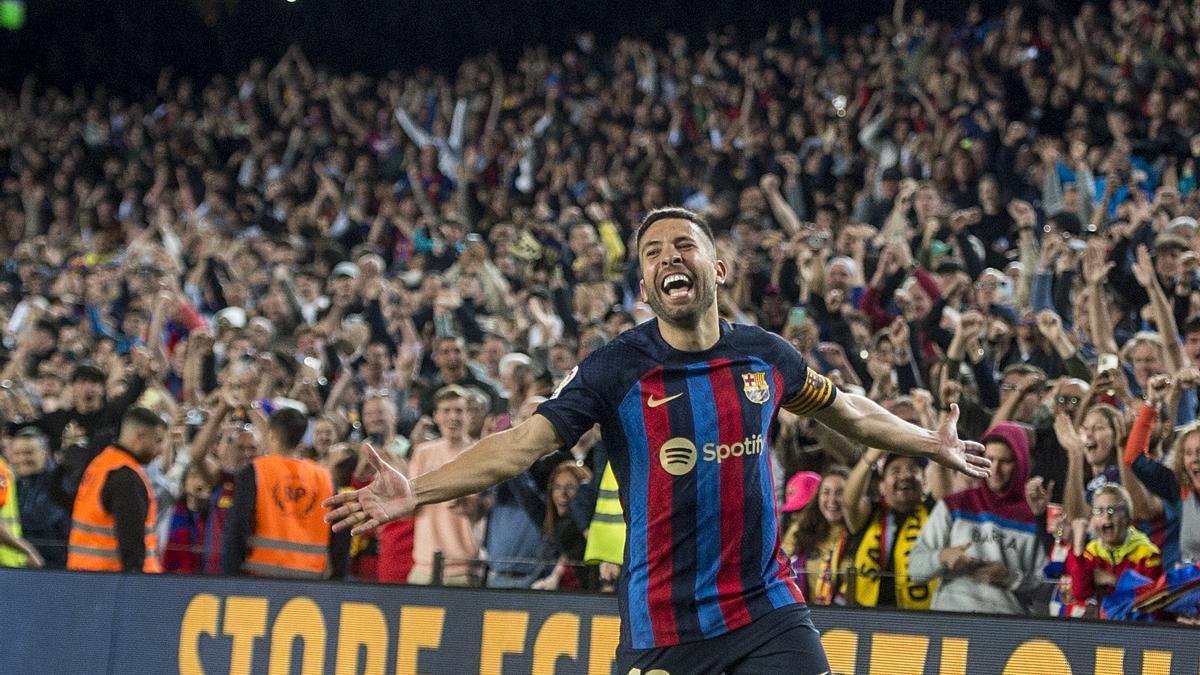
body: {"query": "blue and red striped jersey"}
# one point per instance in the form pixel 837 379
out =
pixel 687 436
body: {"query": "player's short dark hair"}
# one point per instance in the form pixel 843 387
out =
pixel 289 425
pixel 1192 324
pixel 142 418
pixel 677 213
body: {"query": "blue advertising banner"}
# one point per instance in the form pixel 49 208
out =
pixel 63 622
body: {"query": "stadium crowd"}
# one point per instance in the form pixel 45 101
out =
pixel 999 213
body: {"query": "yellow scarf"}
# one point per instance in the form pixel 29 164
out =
pixel 826 581
pixel 869 562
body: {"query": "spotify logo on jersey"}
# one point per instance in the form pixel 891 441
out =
pixel 677 456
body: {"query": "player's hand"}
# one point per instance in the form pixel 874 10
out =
pixel 389 497
pixel 955 453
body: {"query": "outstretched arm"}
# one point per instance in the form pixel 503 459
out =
pixel 863 420
pixel 392 495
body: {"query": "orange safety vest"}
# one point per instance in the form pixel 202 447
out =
pixel 93 542
pixel 291 537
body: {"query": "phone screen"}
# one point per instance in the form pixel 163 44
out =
pixel 797 316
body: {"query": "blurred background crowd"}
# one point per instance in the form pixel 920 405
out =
pixel 996 209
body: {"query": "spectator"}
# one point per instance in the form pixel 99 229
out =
pixel 45 504
pixel 15 551
pixel 90 425
pixel 1095 565
pixel 451 359
pixel 567 537
pixel 983 543
pixel 606 534
pixel 816 540
pixel 114 520
pixel 446 528
pixel 275 527
pixel 184 552
pixel 882 577
pixel 1175 486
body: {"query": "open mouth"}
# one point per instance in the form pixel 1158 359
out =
pixel 1107 530
pixel 1090 447
pixel 676 285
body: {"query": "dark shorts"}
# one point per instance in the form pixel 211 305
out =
pixel 783 641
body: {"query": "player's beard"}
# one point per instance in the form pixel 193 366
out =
pixel 688 315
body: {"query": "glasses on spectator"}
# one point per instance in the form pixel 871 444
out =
pixel 987 285
pixel 1009 386
pixel 1068 400
pixel 1108 510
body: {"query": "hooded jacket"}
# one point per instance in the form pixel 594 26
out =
pixel 999 528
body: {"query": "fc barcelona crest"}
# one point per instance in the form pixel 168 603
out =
pixel 754 385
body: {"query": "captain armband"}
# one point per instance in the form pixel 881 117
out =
pixel 817 393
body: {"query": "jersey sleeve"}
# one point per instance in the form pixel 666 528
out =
pixel 805 391
pixel 575 406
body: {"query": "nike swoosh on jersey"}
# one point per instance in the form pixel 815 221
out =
pixel 652 402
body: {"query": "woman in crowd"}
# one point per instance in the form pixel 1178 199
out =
pixel 816 538
pixel 1175 480
pixel 183 553
pixel 563 533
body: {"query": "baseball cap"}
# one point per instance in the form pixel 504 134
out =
pixel 800 490
pixel 345 269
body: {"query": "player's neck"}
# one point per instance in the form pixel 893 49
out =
pixel 698 338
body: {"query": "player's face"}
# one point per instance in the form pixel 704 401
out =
pixel 680 271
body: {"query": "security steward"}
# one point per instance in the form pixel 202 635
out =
pixel 114 517
pixel 276 526
pixel 15 551
pixel 606 535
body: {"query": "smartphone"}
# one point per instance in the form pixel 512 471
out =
pixel 797 316
pixel 1107 362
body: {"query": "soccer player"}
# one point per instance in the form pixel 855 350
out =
pixel 684 403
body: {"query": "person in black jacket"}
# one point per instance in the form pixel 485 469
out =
pixel 79 433
pixel 45 505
